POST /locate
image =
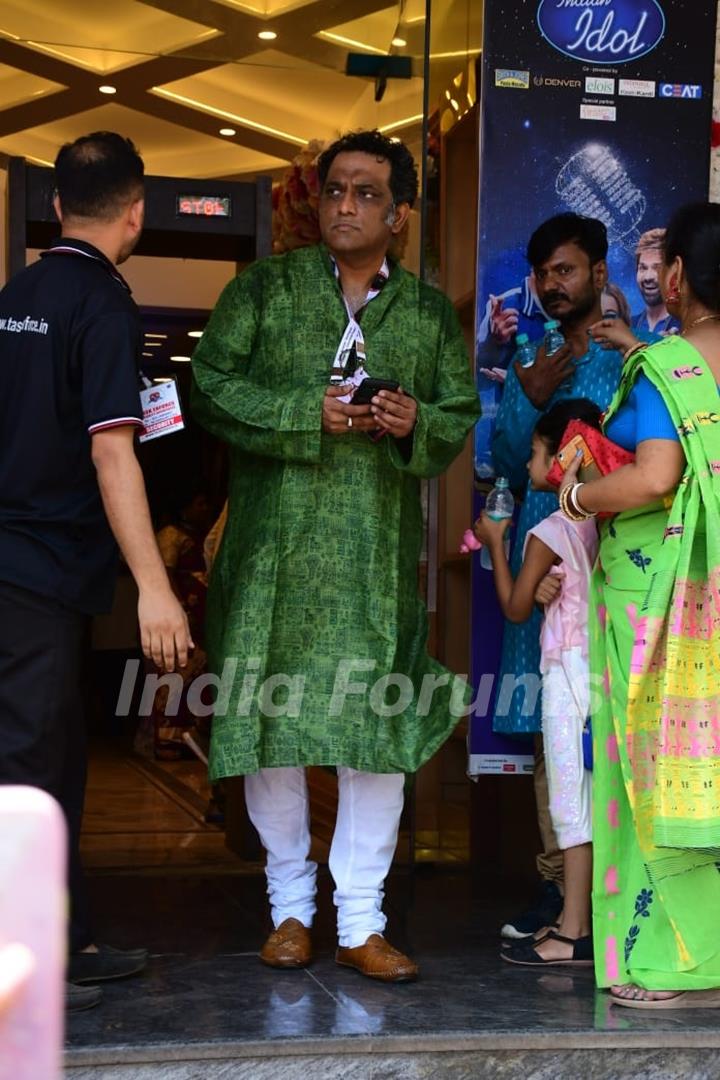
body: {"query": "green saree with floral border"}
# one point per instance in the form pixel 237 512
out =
pixel 655 659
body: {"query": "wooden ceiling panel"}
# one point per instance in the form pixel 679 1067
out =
pixel 99 35
pixel 19 87
pixel 279 91
pixel 168 149
pixel 182 69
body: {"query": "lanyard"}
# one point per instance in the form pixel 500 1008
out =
pixel 353 339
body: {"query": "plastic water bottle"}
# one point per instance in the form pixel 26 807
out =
pixel 554 339
pixel 525 351
pixel 499 505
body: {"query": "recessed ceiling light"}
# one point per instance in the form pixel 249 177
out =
pixel 148 354
pixel 399 42
pixel 152 344
pixel 148 335
pixel 195 333
pixel 406 122
pixel 107 89
pixel 245 120
pixel 267 35
pixel 181 359
pixel 228 131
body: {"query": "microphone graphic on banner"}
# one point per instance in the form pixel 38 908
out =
pixel 593 182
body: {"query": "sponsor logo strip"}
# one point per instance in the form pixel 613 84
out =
pixel 515 80
pixel 680 90
pixel 551 80
pixel 598 112
pixel 637 88
pixel 595 85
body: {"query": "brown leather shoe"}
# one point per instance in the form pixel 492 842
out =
pixel 289 946
pixel 378 960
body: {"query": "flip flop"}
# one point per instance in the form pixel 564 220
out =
pixel 525 952
pixel 684 999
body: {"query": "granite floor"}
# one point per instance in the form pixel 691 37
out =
pixel 206 1001
pixel 207 1009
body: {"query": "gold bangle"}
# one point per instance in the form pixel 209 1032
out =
pixel 568 506
pixel 564 507
pixel 632 349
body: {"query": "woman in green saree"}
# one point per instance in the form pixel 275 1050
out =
pixel 655 650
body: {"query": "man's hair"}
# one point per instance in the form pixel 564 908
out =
pixel 588 233
pixel 652 240
pixel 403 171
pixel 694 235
pixel 551 426
pixel 98 175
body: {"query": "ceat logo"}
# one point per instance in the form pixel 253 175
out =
pixel 680 90
pixel 602 31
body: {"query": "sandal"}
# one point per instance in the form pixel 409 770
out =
pixel 526 954
pixel 683 999
pixel 531 939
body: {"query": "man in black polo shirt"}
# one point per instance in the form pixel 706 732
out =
pixel 69 410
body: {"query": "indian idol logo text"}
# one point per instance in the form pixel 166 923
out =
pixel 602 31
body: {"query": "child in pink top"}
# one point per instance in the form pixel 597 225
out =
pixel 557 562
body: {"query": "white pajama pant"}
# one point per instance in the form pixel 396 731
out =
pixel 363 844
pixel 566 702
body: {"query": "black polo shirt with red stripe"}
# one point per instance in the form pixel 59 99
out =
pixel 69 348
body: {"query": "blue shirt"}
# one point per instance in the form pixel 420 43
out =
pixel 641 326
pixel 596 377
pixel 531 320
pixel 643 415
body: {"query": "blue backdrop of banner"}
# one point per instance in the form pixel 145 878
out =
pixel 602 107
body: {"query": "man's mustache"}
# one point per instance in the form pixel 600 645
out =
pixel 551 297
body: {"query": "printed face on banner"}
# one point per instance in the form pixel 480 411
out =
pixel 650 264
pixel 602 31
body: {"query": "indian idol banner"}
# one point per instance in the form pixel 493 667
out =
pixel 602 107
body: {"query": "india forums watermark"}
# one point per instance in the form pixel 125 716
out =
pixel 245 689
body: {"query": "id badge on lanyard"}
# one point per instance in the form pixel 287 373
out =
pixel 353 342
pixel 162 411
pixel 353 336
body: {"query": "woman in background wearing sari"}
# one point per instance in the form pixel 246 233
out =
pixel 655 649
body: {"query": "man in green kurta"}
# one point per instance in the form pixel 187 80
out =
pixel 315 621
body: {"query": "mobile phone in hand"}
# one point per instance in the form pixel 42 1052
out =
pixel 369 387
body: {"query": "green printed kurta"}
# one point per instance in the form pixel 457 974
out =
pixel 314 593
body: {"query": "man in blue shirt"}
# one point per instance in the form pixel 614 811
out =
pixel 654 318
pixel 568 257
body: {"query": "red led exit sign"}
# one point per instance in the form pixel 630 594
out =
pixel 204 205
